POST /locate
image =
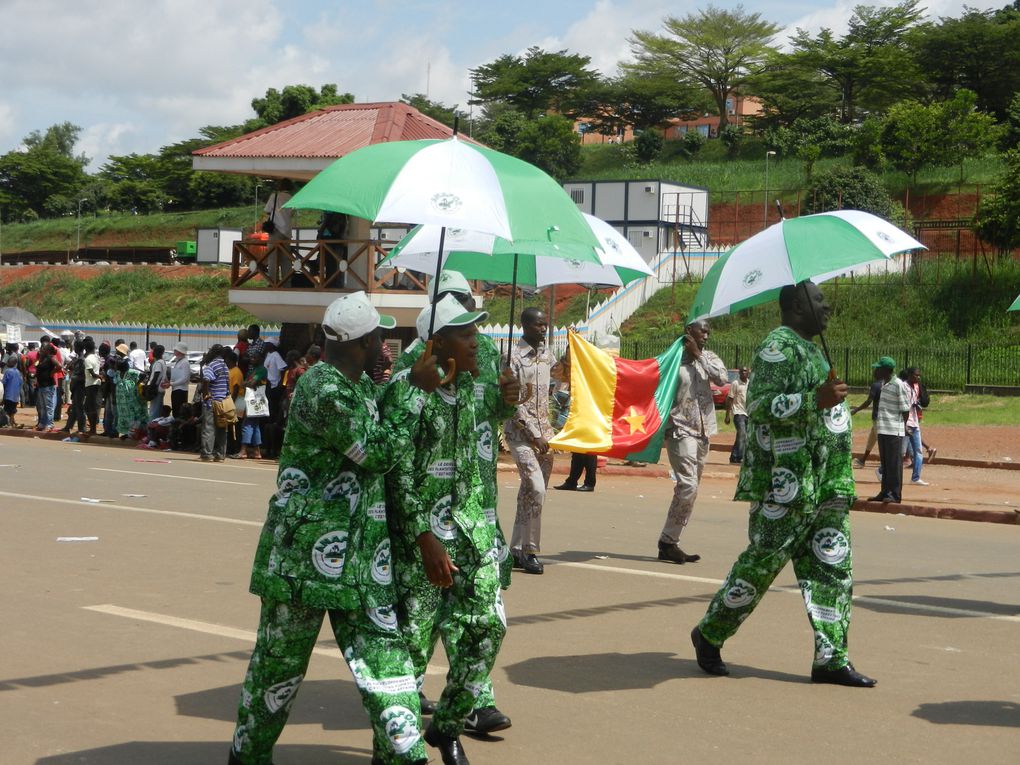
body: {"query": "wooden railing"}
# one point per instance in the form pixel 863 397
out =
pixel 341 265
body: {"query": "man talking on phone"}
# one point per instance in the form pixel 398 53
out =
pixel 691 424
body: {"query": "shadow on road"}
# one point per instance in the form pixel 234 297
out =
pixel 997 713
pixel 97 673
pixel 914 606
pixel 201 753
pixel 621 671
pixel 332 704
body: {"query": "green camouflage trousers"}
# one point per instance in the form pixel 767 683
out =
pixel 374 651
pixel 470 619
pixel 818 543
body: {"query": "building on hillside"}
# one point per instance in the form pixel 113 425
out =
pixel 655 215
pixel 738 109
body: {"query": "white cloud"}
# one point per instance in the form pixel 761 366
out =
pixel 103 139
pixel 8 119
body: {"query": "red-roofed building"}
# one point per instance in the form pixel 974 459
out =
pixel 298 149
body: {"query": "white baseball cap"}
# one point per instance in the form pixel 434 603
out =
pixel 453 281
pixel 449 313
pixel 352 316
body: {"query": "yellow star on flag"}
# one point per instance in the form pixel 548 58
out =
pixel 635 420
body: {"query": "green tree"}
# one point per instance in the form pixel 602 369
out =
pixel 648 145
pixel 434 109
pixel 872 66
pixel 789 91
pixel 641 101
pixel 1011 133
pixel 998 221
pixel 293 101
pixel 717 49
pixel 979 51
pixel 45 176
pixel 548 142
pixel 854 188
pixel 535 83
pixel 942 134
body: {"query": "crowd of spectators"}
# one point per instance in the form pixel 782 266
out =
pixel 236 408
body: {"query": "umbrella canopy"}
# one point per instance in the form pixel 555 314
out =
pixel 538 264
pixel 1016 305
pixel 449 183
pixel 14 315
pixel 816 247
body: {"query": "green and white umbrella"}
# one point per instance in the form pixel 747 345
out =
pixel 532 264
pixel 1016 305
pixel 816 247
pixel 449 183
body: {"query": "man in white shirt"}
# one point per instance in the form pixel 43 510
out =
pixel 893 410
pixel 180 378
pixel 137 357
pixel 278 261
pixel 275 367
pixel 736 407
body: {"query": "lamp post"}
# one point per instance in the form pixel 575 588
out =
pixel 768 154
pixel 257 187
pixel 78 244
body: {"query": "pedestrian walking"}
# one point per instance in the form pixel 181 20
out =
pixel 736 409
pixel 527 434
pixel 325 548
pixel 893 411
pixel 798 477
pixel 691 424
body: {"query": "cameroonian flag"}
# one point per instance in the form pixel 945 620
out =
pixel 618 407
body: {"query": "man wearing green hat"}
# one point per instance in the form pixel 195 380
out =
pixel 890 424
pixel 325 546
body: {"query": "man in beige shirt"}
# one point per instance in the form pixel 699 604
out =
pixel 736 408
pixel 691 424
pixel 527 434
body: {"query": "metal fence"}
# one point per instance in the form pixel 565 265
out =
pixel 947 368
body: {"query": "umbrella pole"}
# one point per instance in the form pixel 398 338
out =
pixel 435 280
pixel 552 313
pixel 513 299
pixel 821 335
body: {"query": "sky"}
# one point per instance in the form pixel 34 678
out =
pixel 140 75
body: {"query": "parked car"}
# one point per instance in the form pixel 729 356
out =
pixel 720 392
pixel 195 362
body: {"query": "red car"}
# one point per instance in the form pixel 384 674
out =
pixel 720 392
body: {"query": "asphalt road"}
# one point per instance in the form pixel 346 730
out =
pixel 129 648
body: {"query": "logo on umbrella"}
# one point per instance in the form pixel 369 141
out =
pixel 576 265
pixel 751 278
pixel 611 244
pixel 883 236
pixel 446 202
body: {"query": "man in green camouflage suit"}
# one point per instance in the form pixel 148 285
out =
pixel 485 717
pixel 797 473
pixel 446 545
pixel 325 547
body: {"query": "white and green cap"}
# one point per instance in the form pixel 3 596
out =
pixel 352 316
pixel 449 313
pixel 453 281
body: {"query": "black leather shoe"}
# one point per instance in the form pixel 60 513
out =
pixel 566 487
pixel 485 720
pixel 586 488
pixel 673 554
pixel 531 564
pixel 427 707
pixel 843 676
pixel 709 658
pixel 449 747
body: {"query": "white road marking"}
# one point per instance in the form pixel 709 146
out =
pixel 177 477
pixel 208 628
pixel 130 509
pixel 864 599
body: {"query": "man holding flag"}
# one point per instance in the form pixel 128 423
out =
pixel 691 424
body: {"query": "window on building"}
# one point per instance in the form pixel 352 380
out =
pixel 730 108
pixel 577 195
pixel 703 129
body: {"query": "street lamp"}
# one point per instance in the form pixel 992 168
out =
pixel 257 187
pixel 78 245
pixel 767 155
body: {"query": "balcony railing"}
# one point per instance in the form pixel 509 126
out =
pixel 341 265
